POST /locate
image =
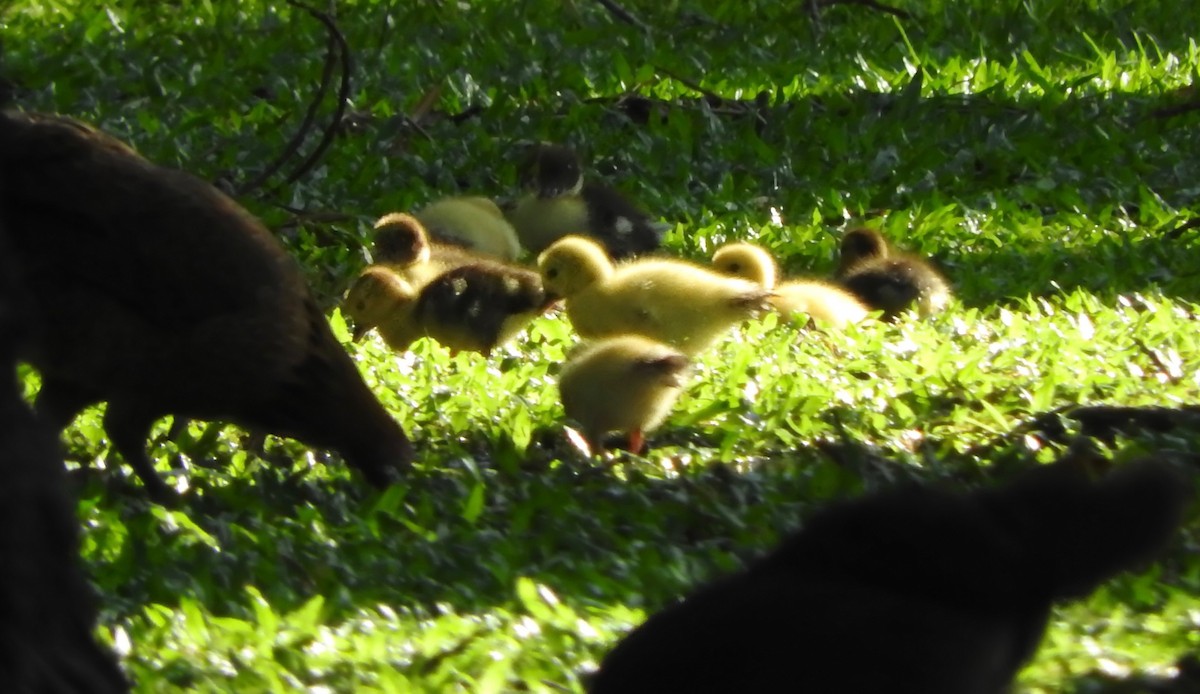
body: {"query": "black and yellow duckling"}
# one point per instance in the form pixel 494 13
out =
pixel 823 301
pixel 480 306
pixel 465 300
pixel 473 222
pixel 562 202
pixel 382 300
pixel 403 244
pixel 158 294
pixel 681 304
pixel 886 280
pixel 625 383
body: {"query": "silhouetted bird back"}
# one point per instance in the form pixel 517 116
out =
pixel 47 610
pixel 161 295
pixel 910 591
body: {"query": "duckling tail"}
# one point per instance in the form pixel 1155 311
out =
pixel 669 368
pixel 756 303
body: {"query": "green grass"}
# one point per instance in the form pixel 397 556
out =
pixel 1026 148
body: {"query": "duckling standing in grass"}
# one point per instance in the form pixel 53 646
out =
pixel 563 203
pixel 478 307
pixel 683 305
pixel 158 294
pixel 381 299
pixel 888 281
pixel 474 222
pixel 403 244
pixel 625 383
pixel 822 301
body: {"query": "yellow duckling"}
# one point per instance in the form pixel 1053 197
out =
pixel 886 280
pixel 474 222
pixel 381 299
pixel 822 301
pixel 477 307
pixel 625 383
pixel 672 301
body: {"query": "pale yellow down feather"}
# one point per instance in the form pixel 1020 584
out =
pixel 675 302
pixel 625 383
pixel 476 222
pixel 822 301
pixel 540 222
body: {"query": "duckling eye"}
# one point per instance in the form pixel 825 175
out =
pixel 552 273
pixel 361 305
pixel 735 267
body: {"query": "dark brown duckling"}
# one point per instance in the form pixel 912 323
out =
pixel 403 244
pixel 48 606
pixel 886 280
pixel 561 202
pixel 478 307
pixel 158 294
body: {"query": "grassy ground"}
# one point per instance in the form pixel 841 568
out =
pixel 1043 153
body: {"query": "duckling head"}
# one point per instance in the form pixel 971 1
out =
pixel 572 264
pixel 861 244
pixel 552 171
pixel 401 239
pixel 747 261
pixel 375 296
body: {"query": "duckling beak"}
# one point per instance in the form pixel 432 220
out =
pixel 358 331
pixel 552 302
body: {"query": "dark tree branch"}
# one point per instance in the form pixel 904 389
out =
pixel 293 145
pixel 623 14
pixel 873 4
pixel 343 99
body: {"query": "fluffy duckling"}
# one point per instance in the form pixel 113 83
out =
pixel 381 299
pixel 403 244
pixel 474 222
pixel 477 307
pixel 158 294
pixel 562 202
pixel 822 301
pixel 625 383
pixel 672 301
pixel 886 280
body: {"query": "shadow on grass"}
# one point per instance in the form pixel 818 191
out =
pixel 466 524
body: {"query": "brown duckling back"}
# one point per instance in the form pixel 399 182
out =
pixel 888 281
pixel 480 306
pixel 562 202
pixel 161 295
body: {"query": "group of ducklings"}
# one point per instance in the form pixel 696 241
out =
pixel 449 272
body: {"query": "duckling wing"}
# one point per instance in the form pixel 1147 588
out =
pixel 624 229
pixel 474 306
pixel 673 302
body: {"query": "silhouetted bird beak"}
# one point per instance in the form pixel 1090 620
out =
pixel 357 332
